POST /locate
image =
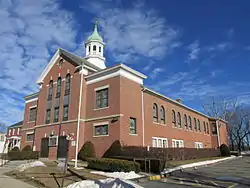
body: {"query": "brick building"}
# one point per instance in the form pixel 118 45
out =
pixel 81 97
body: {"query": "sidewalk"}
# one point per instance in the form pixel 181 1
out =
pixel 6 181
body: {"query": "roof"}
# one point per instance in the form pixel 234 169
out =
pixel 95 35
pixel 20 123
pixel 72 57
pixel 115 68
pixel 31 96
pixel 180 104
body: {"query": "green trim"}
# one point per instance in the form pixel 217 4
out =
pixel 95 35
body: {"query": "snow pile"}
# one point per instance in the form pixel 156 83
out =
pixel 109 182
pixel 25 166
pixel 121 175
pixel 202 163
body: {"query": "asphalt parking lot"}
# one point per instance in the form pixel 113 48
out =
pixel 232 174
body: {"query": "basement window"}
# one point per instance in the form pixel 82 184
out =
pixel 53 140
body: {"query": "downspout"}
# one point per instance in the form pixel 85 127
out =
pixel 218 133
pixel 142 111
pixel 79 116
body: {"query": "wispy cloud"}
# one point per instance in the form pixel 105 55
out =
pixel 28 31
pixel 193 50
pixel 134 32
pixel 155 72
pixel 223 46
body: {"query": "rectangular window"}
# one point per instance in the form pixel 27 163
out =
pixel 102 98
pixel 65 113
pixel 207 129
pixel 154 142
pixel 198 145
pixel 165 143
pixel 53 141
pixel 159 142
pixel 30 137
pixel 13 131
pixel 132 123
pixel 2 138
pixel 9 132
pixel 32 116
pixel 48 112
pixel 101 130
pixel 177 143
pixel 214 128
pixel 56 114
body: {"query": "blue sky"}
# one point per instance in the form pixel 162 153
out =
pixel 193 50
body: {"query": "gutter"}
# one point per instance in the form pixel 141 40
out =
pixel 142 111
pixel 218 133
pixel 78 118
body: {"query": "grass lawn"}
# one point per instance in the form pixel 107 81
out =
pixel 172 164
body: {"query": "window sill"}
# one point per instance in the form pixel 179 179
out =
pixel 156 123
pixel 133 134
pixel 101 108
pixel 31 121
pixel 100 136
pixel 29 141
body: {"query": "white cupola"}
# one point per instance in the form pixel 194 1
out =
pixel 94 49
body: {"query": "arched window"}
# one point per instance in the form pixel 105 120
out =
pixel 195 124
pixel 190 122
pixel 199 125
pixel 100 49
pixel 179 119
pixel 173 117
pixel 185 121
pixel 67 84
pixel 89 48
pixel 155 113
pixel 50 90
pixel 58 87
pixel 94 48
pixel 204 127
pixel 162 112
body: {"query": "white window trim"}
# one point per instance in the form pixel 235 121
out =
pixel 102 87
pixel 33 106
pixel 99 124
pixel 26 137
pixel 56 140
pixel 181 143
pixel 13 131
pixel 159 138
pixel 200 144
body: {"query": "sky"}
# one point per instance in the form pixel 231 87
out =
pixel 193 50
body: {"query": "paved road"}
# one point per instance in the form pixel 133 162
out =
pixel 6 181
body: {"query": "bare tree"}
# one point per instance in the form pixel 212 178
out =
pixel 240 125
pixel 222 108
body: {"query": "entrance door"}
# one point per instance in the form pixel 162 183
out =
pixel 44 153
pixel 62 148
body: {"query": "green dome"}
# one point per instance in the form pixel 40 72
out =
pixel 95 35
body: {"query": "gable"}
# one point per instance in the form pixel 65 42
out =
pixel 74 59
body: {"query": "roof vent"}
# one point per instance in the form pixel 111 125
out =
pixel 179 100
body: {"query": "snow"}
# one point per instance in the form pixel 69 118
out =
pixel 109 183
pixel 25 166
pixel 202 163
pixel 121 175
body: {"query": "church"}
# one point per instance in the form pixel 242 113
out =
pixel 83 99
